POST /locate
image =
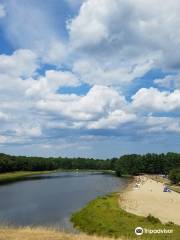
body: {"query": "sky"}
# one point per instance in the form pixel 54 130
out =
pixel 89 78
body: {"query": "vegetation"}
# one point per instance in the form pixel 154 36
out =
pixel 16 176
pixel 104 217
pixel 132 164
pixel 149 163
pixel 28 233
pixel 21 163
pixel 174 176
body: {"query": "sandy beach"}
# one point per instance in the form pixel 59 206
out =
pixel 145 196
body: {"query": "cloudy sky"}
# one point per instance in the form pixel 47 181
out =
pixel 93 78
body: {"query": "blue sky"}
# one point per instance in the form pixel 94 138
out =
pixel 94 78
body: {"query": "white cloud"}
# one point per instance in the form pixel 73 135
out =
pixel 153 100
pixel 28 131
pixel 2 11
pixel 170 81
pixel 3 116
pixel 3 139
pixel 111 43
pixel 55 52
pixel 124 39
pixel 31 25
pixel 51 82
pixel 162 124
pixel 94 72
pixel 99 101
pixel 113 120
pixel 22 63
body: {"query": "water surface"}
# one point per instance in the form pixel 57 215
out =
pixel 50 200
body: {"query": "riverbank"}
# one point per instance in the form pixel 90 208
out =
pixel 18 176
pixel 105 217
pixel 146 196
pixel 42 234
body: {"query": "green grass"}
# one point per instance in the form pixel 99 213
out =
pixel 104 217
pixel 17 176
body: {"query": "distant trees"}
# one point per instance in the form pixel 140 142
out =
pixel 132 164
pixel 174 176
pixel 21 163
pixel 149 163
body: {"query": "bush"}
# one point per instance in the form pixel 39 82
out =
pixel 174 176
pixel 153 219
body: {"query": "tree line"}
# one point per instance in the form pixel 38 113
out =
pixel 150 163
pixel 132 164
pixel 10 163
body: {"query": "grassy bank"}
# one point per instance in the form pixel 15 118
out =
pixel 22 175
pixel 17 176
pixel 104 217
pixel 41 234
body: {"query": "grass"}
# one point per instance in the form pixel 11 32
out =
pixel 17 176
pixel 28 233
pixel 104 217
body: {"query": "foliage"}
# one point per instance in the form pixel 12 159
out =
pixel 104 217
pixel 153 219
pixel 132 164
pixel 174 176
pixel 149 163
pixel 21 163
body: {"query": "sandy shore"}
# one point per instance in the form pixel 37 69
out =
pixel 148 198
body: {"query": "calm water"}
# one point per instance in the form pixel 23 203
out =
pixel 50 200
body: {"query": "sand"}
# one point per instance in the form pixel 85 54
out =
pixel 149 198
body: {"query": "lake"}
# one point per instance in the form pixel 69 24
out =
pixel 50 200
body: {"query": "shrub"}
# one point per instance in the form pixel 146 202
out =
pixel 153 219
pixel 174 176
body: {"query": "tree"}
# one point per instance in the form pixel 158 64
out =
pixel 174 176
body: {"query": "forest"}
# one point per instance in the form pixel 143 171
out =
pixel 132 164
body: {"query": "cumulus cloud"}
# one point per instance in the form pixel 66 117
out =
pixel 113 120
pixel 127 27
pixel 51 82
pixel 124 39
pixel 99 100
pixel 22 63
pixel 94 72
pixel 154 100
pixel 108 45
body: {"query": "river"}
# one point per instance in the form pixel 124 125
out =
pixel 50 200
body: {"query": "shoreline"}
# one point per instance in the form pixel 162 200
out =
pixel 144 196
pixel 10 177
